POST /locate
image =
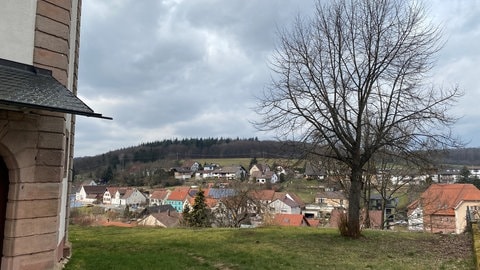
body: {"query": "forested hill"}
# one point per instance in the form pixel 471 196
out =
pixel 182 149
pixel 216 148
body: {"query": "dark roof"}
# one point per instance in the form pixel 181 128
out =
pixel 160 209
pixel 218 193
pixel 24 86
pixel 95 189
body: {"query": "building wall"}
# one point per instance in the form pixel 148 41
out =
pixel 17 27
pixel 461 215
pixel 439 223
pixel 37 146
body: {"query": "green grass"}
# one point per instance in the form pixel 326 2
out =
pixel 261 248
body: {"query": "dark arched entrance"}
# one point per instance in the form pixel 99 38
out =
pixel 4 183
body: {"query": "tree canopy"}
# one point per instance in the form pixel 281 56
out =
pixel 351 81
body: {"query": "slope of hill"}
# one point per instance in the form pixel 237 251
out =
pixel 174 150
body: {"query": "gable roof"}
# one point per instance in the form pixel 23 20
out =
pixel 163 219
pixel 179 194
pixel 94 189
pixel 290 220
pixel 442 199
pixel 263 194
pixel 336 195
pixel 159 194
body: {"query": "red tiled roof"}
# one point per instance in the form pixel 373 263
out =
pixel 442 199
pixel 178 194
pixel 264 194
pixel 159 194
pixel 290 220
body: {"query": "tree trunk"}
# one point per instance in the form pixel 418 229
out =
pixel 354 203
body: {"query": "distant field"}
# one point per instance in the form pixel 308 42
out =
pixel 263 248
pixel 245 162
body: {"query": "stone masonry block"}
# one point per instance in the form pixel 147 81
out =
pixel 29 244
pixel 50 26
pixel 36 261
pixel 51 140
pixel 34 191
pixel 67 5
pixel 50 42
pixel 18 141
pixel 32 209
pixel 53 12
pixel 49 58
pixel 51 124
pixel 48 157
pixel 26 157
pixel 48 174
pixel 30 226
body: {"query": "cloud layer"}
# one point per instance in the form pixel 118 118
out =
pixel 182 69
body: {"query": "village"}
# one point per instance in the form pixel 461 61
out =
pixel 237 197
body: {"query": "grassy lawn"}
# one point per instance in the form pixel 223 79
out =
pixel 263 248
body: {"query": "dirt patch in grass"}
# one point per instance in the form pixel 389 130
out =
pixel 452 246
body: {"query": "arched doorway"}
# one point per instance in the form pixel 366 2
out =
pixel 4 183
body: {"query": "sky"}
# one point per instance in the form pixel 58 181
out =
pixel 193 68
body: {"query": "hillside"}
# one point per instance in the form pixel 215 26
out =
pixel 172 150
pixel 124 165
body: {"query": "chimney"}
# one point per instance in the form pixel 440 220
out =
pixel 168 212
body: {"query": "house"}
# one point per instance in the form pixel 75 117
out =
pixel 230 173
pixel 443 208
pixel 181 173
pixel 159 197
pixel 91 194
pixel 169 219
pixel 329 200
pixel 264 177
pixel 258 168
pixel 448 176
pixel 191 165
pixel 124 196
pixel 286 205
pixel 38 86
pixel 375 203
pixel 297 220
pixel 313 171
pixel 178 197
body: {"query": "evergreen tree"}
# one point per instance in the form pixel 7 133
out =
pixel 200 214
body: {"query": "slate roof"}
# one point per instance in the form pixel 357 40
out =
pixel 24 86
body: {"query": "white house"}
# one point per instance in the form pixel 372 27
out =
pixel 124 196
pixel 285 205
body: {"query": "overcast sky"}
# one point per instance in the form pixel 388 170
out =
pixel 191 69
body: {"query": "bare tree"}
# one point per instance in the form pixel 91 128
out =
pixel 237 209
pixel 351 81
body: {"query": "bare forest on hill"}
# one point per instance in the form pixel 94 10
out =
pixel 171 152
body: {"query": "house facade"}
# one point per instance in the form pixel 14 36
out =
pixel 38 104
pixel 443 208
